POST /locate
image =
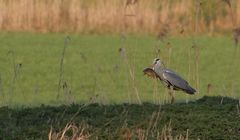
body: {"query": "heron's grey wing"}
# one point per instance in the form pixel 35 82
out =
pixel 175 79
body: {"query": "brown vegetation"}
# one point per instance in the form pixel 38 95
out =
pixel 115 15
pixel 73 132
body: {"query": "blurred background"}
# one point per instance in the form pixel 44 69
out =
pixel 71 51
pixel 104 16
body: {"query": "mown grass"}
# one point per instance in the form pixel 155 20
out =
pixel 94 69
pixel 206 118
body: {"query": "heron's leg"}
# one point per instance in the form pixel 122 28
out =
pixel 171 94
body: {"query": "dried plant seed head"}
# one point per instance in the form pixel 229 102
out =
pixel 228 2
pixel 122 51
pixel 209 87
pixel 68 37
pixel 135 1
pixel 162 34
pixel 128 2
pixel 157 51
pixel 181 30
pixel 194 46
pixel 169 45
pixel 65 85
pixel 83 56
pixel 199 2
pixel 236 35
pixel 126 133
pixel 10 52
pixel 236 41
pixel 116 68
pixel 131 2
pixel 19 65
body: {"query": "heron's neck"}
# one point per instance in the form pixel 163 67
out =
pixel 159 70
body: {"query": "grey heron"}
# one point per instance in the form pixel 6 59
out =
pixel 169 78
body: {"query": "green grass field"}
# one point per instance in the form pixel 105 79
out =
pixel 94 69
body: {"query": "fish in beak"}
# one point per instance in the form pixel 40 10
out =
pixel 150 72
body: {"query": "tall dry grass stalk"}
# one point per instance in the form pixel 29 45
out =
pixel 126 17
pixel 1 91
pixel 165 134
pixel 61 68
pixel 131 76
pixel 16 71
pixel 233 67
pixel 74 132
pixel 197 9
pixel 70 132
pixel 236 34
pixel 106 15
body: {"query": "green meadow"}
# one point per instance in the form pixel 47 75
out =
pixel 108 69
pixel 61 86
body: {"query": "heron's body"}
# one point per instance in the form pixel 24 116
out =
pixel 173 81
pixel 169 78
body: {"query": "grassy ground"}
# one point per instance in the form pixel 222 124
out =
pixel 94 69
pixel 207 118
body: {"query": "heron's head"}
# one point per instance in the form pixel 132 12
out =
pixel 156 63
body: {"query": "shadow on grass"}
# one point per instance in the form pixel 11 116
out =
pixel 207 118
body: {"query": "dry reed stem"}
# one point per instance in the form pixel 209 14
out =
pixel 233 67
pixel 132 76
pixel 126 61
pixel 16 73
pixel 209 89
pixel 236 32
pixel 164 134
pixel 238 112
pixel 74 132
pixel 195 47
pixel 2 92
pixel 78 133
pixel 60 81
